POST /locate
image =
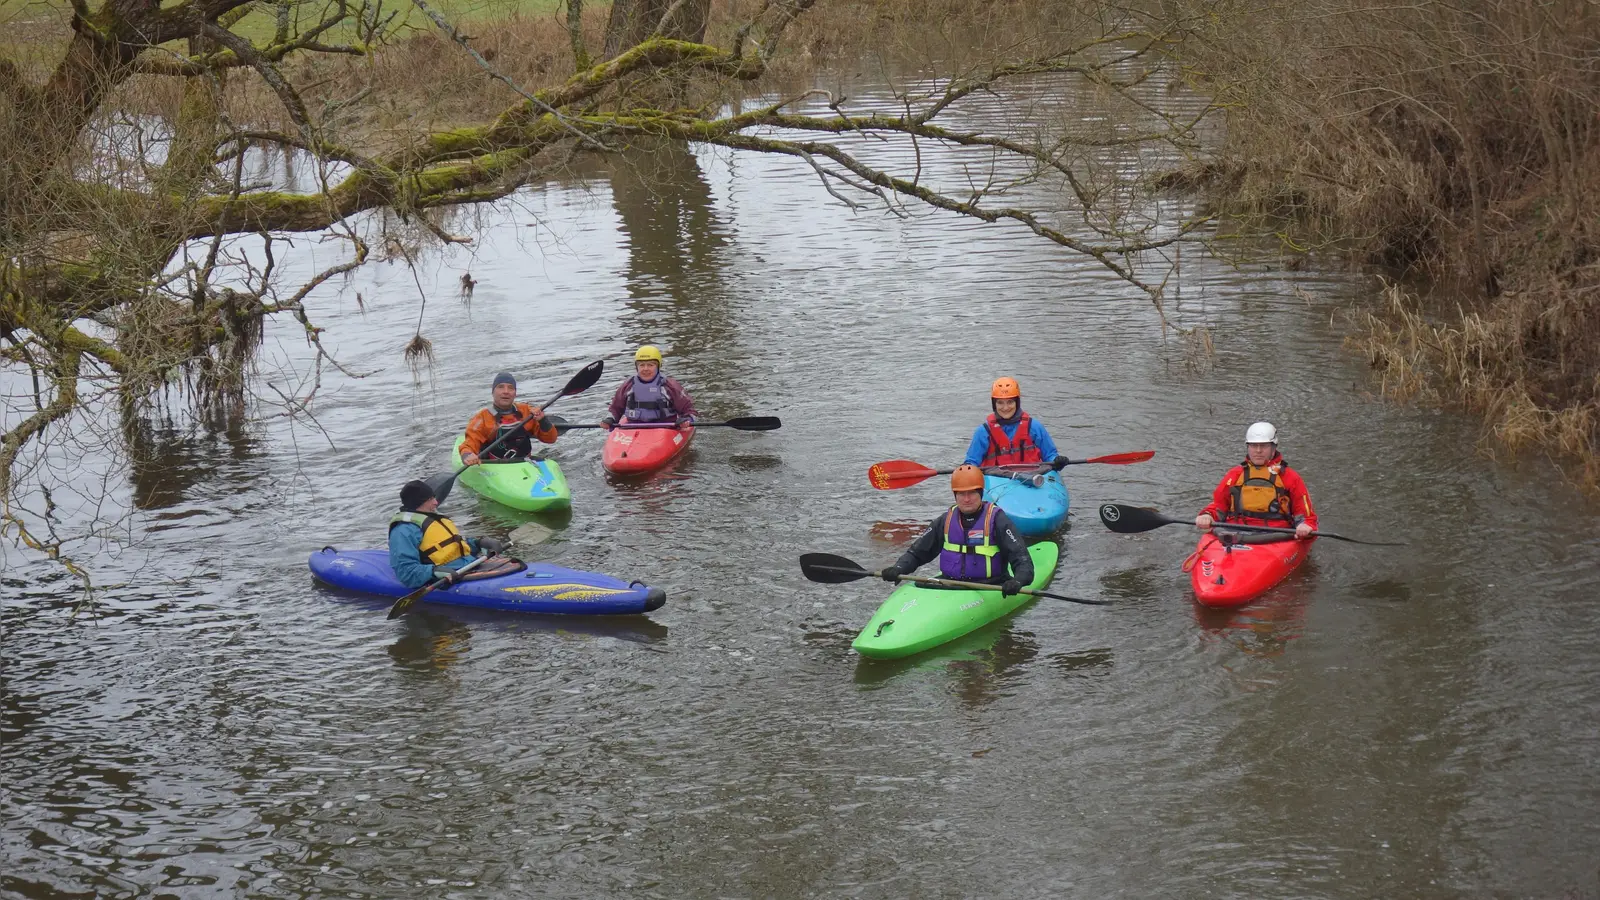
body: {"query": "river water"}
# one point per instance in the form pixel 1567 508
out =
pixel 1415 722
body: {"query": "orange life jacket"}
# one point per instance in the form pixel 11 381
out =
pixel 1260 493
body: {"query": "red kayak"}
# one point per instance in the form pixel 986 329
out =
pixel 636 449
pixel 1225 576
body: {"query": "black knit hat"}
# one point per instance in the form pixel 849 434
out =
pixel 504 378
pixel 414 494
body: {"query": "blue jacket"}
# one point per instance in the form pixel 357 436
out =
pixel 405 557
pixel 979 448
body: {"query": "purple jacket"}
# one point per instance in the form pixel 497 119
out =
pixel 682 406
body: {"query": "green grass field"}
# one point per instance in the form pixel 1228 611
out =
pixel 44 21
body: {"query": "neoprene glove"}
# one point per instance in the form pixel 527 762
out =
pixel 1011 586
pixel 450 576
pixel 891 573
pixel 492 546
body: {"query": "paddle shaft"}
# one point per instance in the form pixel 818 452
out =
pixel 1268 529
pixel 947 582
pixel 405 603
pixel 979 586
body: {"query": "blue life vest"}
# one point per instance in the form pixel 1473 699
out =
pixel 647 400
pixel 969 553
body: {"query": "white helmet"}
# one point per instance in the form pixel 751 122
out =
pixel 1261 433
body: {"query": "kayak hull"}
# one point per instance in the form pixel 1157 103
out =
pixel 1225 578
pixel 636 451
pixel 532 485
pixel 540 588
pixel 917 618
pixel 1036 511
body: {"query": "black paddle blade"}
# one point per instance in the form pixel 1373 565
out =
pixel 441 484
pixel 753 423
pixel 585 378
pixel 1125 519
pixel 825 568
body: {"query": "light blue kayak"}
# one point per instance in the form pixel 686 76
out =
pixel 1037 511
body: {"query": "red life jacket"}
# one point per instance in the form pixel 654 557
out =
pixel 1003 451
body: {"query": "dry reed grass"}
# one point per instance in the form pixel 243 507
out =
pixel 1458 141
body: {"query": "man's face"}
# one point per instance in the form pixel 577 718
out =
pixel 969 502
pixel 505 395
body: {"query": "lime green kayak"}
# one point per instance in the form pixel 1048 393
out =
pixel 915 617
pixel 531 484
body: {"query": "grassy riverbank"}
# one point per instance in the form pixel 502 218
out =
pixel 1458 143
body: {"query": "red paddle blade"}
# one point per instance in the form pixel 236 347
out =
pixel 898 473
pixel 1122 459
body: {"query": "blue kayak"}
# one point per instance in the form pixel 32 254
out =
pixel 1037 511
pixel 540 588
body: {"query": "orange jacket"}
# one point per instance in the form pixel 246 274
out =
pixel 481 430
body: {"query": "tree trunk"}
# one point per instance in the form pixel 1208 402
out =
pixel 634 20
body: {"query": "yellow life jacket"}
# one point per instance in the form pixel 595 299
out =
pixel 441 539
pixel 1259 493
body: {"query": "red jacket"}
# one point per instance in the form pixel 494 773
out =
pixel 1299 498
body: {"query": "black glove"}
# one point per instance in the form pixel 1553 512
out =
pixel 891 573
pixel 492 546
pixel 450 576
pixel 1011 587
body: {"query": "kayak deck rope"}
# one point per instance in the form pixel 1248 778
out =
pixel 885 624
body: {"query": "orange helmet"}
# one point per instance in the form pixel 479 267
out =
pixel 1006 389
pixel 966 478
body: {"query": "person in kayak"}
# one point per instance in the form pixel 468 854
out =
pixel 1262 490
pixel 649 396
pixel 974 541
pixel 424 545
pixel 1009 436
pixel 503 417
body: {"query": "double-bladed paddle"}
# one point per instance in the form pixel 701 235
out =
pixel 405 603
pixel 1125 519
pixel 740 423
pixel 826 568
pixel 579 383
pixel 901 473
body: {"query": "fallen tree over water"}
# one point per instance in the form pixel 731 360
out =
pixel 140 255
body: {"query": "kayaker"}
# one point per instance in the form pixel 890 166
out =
pixel 1009 435
pixel 649 396
pixel 424 545
pixel 974 541
pixel 503 415
pixel 1262 490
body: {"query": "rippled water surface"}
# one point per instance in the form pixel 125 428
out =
pixel 1414 722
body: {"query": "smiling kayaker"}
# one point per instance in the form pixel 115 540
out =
pixel 424 545
pixel 505 415
pixel 649 396
pixel 1009 435
pixel 1262 490
pixel 974 541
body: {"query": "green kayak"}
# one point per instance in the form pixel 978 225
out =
pixel 915 617
pixel 531 484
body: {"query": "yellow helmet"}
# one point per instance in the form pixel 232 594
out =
pixel 648 353
pixel 966 478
